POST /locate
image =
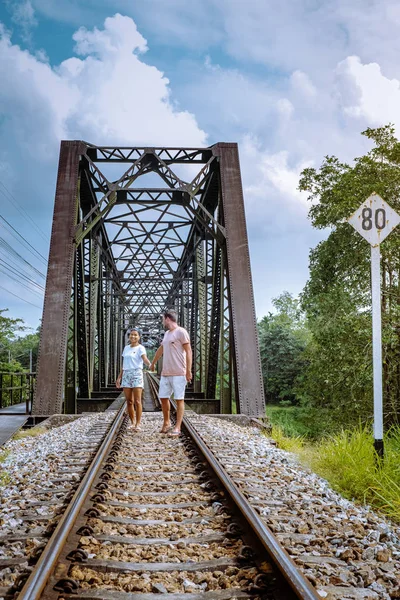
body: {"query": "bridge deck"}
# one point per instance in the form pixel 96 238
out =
pixel 9 424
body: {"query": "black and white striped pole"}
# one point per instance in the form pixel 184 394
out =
pixel 375 220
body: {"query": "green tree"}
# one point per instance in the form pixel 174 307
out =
pixel 337 296
pixel 22 347
pixel 283 338
pixel 8 329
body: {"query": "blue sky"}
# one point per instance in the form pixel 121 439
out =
pixel 289 81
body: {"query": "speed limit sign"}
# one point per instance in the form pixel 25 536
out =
pixel 374 220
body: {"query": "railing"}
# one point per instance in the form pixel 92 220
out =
pixel 16 388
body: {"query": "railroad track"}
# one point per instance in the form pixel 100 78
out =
pixel 34 519
pixel 180 518
pixel 150 519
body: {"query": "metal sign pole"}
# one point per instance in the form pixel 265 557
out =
pixel 377 347
pixel 375 220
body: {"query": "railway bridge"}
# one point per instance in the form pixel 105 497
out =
pixel 135 231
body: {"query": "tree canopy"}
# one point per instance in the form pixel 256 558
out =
pixel 337 299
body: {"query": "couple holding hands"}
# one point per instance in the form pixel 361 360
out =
pixel 176 372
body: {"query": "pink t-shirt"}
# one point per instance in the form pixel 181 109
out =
pixel 174 356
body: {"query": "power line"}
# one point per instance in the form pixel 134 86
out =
pixel 19 274
pixel 12 267
pixel 6 246
pixel 23 240
pixel 22 211
pixel 15 270
pixel 23 299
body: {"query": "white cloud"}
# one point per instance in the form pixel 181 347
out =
pixel 271 181
pixel 120 36
pixel 110 96
pixel 303 84
pixel 23 15
pixel 365 93
pixel 106 95
pixel 293 95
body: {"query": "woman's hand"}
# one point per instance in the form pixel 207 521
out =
pixel 118 382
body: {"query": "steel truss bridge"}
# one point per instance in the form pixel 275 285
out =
pixel 135 231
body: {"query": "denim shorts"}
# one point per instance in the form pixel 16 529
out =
pixel 132 378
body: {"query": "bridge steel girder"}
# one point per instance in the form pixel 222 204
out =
pixel 121 254
pixel 243 316
pixel 51 361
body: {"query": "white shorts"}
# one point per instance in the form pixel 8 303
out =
pixel 175 384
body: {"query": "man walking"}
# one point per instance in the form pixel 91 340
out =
pixel 176 372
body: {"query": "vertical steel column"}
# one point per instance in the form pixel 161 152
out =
pixel 93 302
pixel 107 329
pixel 202 303
pixel 194 325
pixel 80 324
pixel 53 339
pixel 226 382
pixel 215 325
pixel 244 324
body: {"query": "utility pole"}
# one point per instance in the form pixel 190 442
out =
pixel 30 360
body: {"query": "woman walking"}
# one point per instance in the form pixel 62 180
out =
pixel 131 377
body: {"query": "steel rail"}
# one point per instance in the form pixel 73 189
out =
pixel 288 568
pixel 39 577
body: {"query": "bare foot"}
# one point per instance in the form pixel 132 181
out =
pixel 165 428
pixel 174 433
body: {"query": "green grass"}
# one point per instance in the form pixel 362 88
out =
pixel 4 478
pixel 347 460
pixel 310 423
pixel 291 444
pixel 32 432
pixel 3 455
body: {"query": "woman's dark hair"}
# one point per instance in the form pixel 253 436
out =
pixel 135 329
pixel 170 314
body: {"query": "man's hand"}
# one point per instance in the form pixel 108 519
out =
pixel 188 376
pixel 151 367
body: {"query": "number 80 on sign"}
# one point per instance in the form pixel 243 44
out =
pixel 374 219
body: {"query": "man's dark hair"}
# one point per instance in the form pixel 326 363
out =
pixel 171 314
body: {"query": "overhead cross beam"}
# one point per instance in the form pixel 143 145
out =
pixel 121 252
